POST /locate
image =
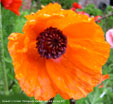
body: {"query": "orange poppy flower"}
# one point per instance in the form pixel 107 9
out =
pixel 12 5
pixel 58 52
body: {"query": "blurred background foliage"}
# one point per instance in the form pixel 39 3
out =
pixel 12 23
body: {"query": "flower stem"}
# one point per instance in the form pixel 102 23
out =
pixel 72 101
pixel 2 61
pixel 50 101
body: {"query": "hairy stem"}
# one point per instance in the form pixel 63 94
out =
pixel 2 60
pixel 11 85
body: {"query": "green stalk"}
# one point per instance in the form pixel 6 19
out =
pixel 2 58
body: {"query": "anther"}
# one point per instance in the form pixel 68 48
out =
pixel 51 43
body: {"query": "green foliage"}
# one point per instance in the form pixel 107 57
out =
pixel 106 23
pixel 12 23
pixel 92 10
pixel 66 4
pixel 109 10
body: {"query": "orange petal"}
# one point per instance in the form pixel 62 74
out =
pixel 51 16
pixel 104 77
pixel 73 75
pixel 84 30
pixel 100 86
pixel 88 43
pixel 30 71
pixel 95 52
pixel 66 80
pixel 50 9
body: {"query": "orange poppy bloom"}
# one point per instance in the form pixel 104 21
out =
pixel 59 51
pixel 12 5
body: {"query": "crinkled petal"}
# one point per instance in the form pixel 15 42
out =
pixel 81 65
pixel 72 75
pixel 47 17
pixel 84 30
pixel 30 69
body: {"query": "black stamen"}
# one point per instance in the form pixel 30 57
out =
pixel 51 43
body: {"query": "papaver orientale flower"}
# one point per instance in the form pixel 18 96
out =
pixel 59 52
pixel 109 37
pixel 77 6
pixel 12 5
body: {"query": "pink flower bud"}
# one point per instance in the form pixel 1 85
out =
pixel 73 9
pixel 109 37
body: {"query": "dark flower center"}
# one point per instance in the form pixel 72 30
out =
pixel 51 43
